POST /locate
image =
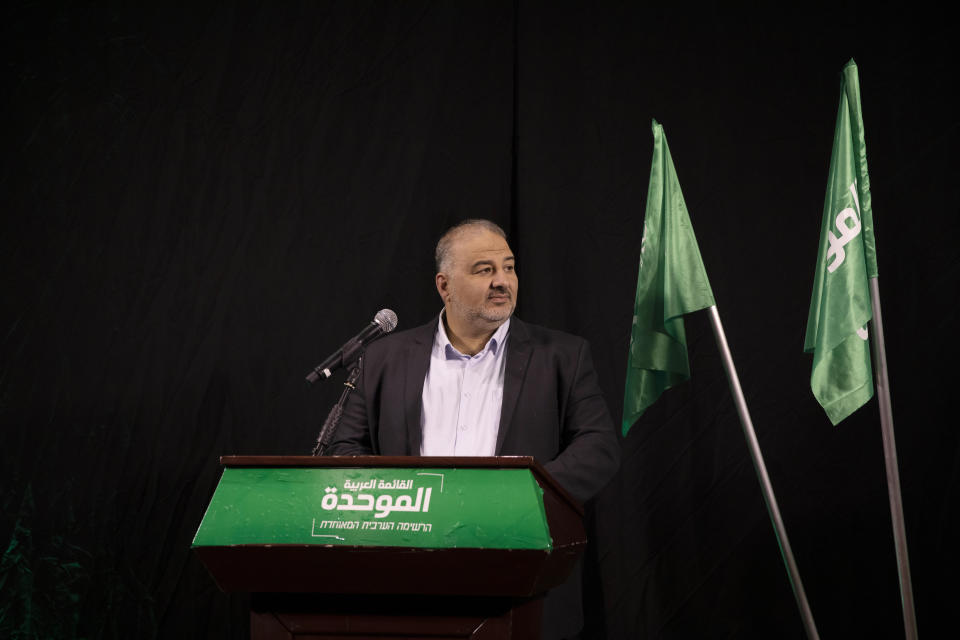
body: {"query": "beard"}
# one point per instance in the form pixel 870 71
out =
pixel 485 312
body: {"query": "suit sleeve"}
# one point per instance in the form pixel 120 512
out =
pixel 590 450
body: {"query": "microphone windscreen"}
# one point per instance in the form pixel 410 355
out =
pixel 387 320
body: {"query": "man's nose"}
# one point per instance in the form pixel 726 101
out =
pixel 500 280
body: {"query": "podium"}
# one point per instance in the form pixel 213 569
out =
pixel 400 547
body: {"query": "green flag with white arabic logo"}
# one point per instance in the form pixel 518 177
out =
pixel 671 282
pixel 840 307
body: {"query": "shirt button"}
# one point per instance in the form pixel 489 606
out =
pixel 463 427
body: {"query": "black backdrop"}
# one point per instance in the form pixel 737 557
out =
pixel 199 204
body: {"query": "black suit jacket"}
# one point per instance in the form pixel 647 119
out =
pixel 552 409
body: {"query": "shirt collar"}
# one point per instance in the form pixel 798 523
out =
pixel 493 345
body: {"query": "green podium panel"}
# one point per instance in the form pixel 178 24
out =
pixel 426 508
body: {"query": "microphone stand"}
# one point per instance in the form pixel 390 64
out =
pixel 333 418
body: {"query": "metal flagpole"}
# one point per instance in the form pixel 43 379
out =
pixel 753 444
pixel 890 458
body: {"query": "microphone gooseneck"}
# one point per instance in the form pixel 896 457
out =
pixel 383 323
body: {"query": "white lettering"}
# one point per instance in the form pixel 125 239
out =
pixel 383 505
pixel 329 501
pixel 847 230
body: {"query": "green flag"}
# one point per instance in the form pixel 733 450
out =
pixel 840 307
pixel 671 283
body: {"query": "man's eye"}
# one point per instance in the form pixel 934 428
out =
pixel 508 267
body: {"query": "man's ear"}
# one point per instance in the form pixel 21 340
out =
pixel 442 282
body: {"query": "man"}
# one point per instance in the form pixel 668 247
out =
pixel 478 382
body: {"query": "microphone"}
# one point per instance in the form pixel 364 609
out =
pixel 384 322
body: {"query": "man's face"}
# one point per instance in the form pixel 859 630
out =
pixel 480 286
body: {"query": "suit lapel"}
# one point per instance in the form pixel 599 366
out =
pixel 518 356
pixel 418 362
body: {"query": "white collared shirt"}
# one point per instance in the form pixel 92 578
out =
pixel 462 397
